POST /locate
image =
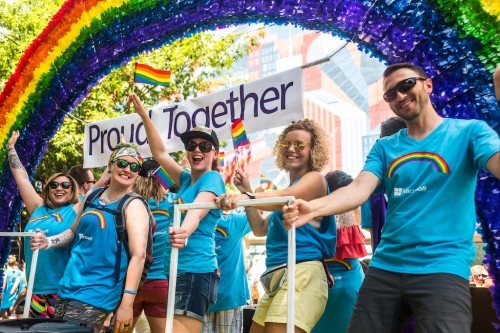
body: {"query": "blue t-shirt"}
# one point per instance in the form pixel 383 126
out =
pixel 11 276
pixel 199 254
pixel 233 287
pixel 160 236
pixel 311 244
pixel 52 262
pixel 90 275
pixel 430 185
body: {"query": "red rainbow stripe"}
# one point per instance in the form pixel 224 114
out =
pixel 97 215
pixel 222 231
pixel 434 159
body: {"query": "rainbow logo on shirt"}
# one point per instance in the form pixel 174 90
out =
pixel 34 219
pixel 57 216
pixel 221 231
pixel 161 212
pixel 434 159
pixel 97 215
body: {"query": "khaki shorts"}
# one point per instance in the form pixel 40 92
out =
pixel 311 295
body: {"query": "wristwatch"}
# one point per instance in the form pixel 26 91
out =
pixel 250 195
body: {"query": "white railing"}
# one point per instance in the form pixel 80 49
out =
pixel 31 278
pixel 243 203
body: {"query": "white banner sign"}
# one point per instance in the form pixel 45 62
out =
pixel 266 103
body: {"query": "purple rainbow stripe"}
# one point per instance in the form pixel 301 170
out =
pixel 97 215
pixel 437 162
pixel 160 212
pixel 34 219
pixel 221 231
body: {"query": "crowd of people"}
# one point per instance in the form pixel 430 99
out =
pixel 89 274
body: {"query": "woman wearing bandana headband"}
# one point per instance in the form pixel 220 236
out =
pixel 88 291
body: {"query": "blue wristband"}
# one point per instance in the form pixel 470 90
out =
pixel 128 291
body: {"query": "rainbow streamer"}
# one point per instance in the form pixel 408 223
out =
pixel 266 183
pixel 149 75
pixel 163 178
pixel 239 134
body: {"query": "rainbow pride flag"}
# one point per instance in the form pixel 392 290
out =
pixel 149 75
pixel 239 134
pixel 163 178
pixel 267 184
pixel 221 159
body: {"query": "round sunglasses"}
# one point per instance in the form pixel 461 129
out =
pixel 122 164
pixel 297 145
pixel 402 87
pixel 205 147
pixel 65 185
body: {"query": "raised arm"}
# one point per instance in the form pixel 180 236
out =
pixel 160 154
pixel 342 200
pixel 496 82
pixel 31 199
pixel 137 225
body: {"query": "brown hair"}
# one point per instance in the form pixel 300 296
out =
pixel 12 260
pixel 319 144
pixel 74 190
pixel 394 67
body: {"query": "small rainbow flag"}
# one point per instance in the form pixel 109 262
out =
pixel 147 74
pixel 266 183
pixel 221 159
pixel 239 134
pixel 163 178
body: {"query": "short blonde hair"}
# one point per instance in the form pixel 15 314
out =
pixel 319 144
pixel 74 190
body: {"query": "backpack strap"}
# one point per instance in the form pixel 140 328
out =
pixel 121 229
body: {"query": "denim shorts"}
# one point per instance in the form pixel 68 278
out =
pixel 194 292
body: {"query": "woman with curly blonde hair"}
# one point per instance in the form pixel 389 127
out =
pixel 301 150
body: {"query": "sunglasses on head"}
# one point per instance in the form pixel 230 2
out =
pixel 122 164
pixel 297 145
pixel 205 147
pixel 65 185
pixel 402 86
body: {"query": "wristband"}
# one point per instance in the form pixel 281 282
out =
pixel 129 291
pixel 250 195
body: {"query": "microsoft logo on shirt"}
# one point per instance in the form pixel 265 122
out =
pixel 399 191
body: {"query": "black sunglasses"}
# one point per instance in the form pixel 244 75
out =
pixel 402 86
pixel 205 147
pixel 65 185
pixel 89 181
pixel 122 164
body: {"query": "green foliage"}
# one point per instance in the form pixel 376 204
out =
pixel 200 64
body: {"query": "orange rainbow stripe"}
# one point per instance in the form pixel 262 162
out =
pixel 97 215
pixel 221 231
pixel 434 159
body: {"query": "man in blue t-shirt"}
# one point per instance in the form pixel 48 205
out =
pixel 429 174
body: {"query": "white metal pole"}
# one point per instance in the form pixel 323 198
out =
pixel 172 279
pixel 174 255
pixel 290 324
pixel 31 278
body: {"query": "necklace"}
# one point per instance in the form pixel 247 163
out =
pixel 106 200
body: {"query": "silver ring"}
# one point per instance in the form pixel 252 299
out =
pixel 224 202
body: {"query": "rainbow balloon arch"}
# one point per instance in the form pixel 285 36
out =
pixel 456 42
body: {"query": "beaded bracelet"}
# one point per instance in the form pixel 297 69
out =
pixel 129 291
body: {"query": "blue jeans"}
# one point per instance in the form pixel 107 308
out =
pixel 194 292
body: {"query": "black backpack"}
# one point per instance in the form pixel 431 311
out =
pixel 121 231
